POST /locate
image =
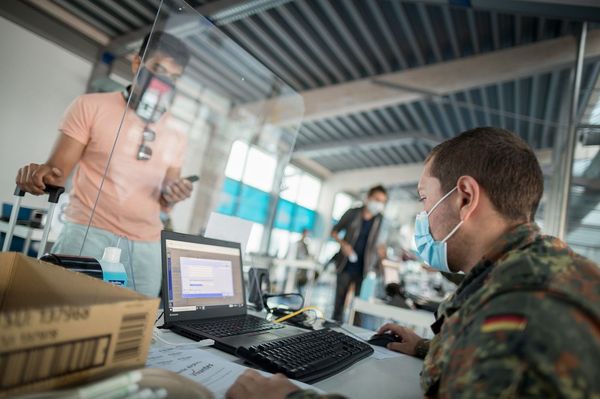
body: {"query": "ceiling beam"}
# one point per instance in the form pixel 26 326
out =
pixel 361 179
pixel 50 28
pixel 364 143
pixel 583 10
pixel 441 78
pixel 312 167
pixel 218 12
pixel 73 21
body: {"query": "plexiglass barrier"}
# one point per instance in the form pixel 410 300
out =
pixel 155 155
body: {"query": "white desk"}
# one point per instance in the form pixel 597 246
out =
pixel 395 378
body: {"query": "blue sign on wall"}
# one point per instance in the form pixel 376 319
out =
pixel 246 202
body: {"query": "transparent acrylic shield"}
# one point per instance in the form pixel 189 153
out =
pixel 199 107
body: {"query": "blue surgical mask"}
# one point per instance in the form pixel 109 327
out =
pixel 433 252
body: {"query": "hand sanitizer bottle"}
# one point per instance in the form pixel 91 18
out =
pixel 113 270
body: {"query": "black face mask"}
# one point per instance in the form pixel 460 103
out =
pixel 151 96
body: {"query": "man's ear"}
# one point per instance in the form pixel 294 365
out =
pixel 469 193
pixel 135 64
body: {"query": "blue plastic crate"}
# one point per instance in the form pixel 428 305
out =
pixel 24 212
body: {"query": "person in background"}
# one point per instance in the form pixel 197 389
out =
pixel 142 179
pixel 525 321
pixel 300 251
pixel 359 251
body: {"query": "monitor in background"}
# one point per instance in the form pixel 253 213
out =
pixel 203 278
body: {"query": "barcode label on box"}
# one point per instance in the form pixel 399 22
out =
pixel 129 341
pixel 41 363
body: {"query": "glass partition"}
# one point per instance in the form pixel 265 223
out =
pixel 157 155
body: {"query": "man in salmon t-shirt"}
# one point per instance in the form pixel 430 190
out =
pixel 143 176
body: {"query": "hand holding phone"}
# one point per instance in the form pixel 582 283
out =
pixel 178 190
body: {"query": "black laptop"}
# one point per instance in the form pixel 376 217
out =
pixel 204 295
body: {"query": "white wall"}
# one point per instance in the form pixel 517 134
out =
pixel 38 80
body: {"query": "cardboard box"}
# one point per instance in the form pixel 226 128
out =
pixel 59 327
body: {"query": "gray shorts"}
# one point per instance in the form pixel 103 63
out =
pixel 142 259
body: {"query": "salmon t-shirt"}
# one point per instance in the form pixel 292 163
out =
pixel 129 202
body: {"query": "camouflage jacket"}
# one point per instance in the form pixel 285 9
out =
pixel 525 322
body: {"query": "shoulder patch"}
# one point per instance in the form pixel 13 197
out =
pixel 505 322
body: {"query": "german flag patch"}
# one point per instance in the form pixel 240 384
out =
pixel 506 322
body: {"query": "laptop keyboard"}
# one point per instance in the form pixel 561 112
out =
pixel 233 326
pixel 307 357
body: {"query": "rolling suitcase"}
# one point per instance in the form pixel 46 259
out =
pixel 54 193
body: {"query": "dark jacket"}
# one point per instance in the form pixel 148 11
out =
pixel 351 223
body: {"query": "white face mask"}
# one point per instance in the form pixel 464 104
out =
pixel 375 207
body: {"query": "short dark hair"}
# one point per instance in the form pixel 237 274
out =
pixel 501 162
pixel 378 188
pixel 166 44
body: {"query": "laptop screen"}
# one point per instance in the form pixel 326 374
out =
pixel 203 278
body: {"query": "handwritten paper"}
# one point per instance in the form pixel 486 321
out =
pixel 208 369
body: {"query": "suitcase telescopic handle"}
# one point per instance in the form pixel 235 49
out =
pixel 19 192
pixel 54 192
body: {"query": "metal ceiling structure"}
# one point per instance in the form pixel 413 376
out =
pixel 313 44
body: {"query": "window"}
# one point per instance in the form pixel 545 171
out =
pixel 247 194
pixel 291 183
pixel 308 196
pixel 237 159
pixel 260 170
pixel 301 188
pixel 280 243
pixel 251 165
pixel 255 238
pixel 341 204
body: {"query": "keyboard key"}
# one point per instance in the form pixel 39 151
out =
pixel 233 326
pixel 308 357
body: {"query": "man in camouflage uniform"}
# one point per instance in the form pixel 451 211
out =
pixel 525 321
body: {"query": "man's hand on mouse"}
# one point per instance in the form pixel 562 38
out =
pixel 252 385
pixel 407 337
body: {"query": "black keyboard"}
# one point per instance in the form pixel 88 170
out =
pixel 308 357
pixel 233 326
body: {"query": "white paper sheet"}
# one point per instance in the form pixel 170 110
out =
pixel 228 228
pixel 206 368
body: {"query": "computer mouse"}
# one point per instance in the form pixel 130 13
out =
pixel 383 339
